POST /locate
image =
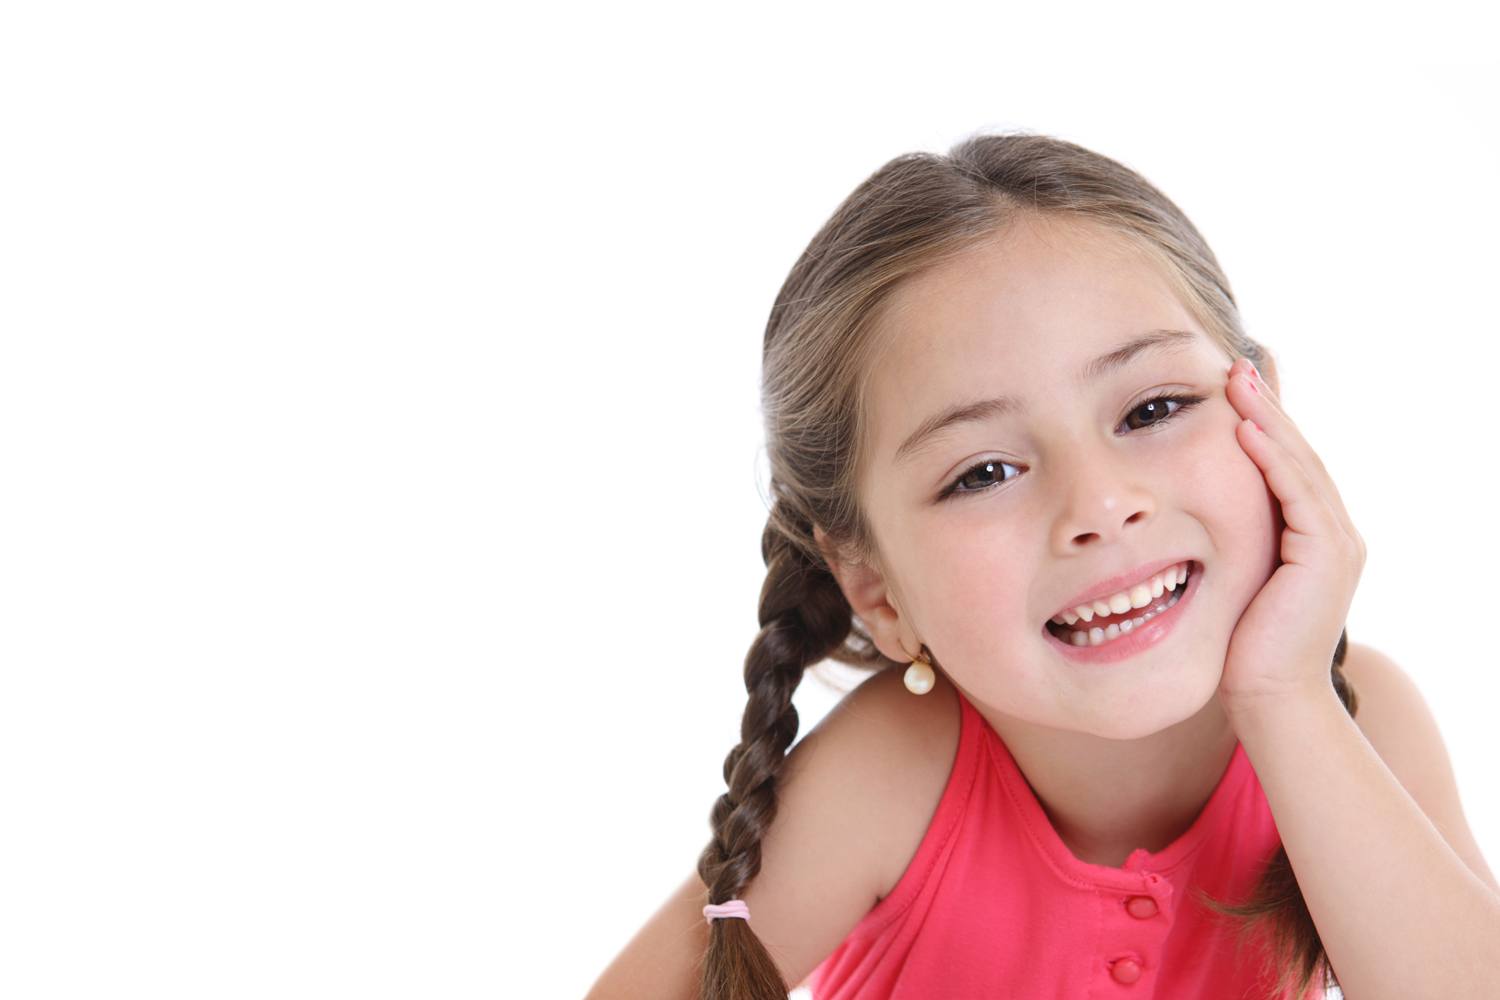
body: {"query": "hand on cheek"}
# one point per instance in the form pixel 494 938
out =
pixel 1285 640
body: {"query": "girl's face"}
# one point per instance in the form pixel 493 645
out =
pixel 1049 431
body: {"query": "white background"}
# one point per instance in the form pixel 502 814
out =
pixel 379 522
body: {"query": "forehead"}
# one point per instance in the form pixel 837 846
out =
pixel 1040 290
pixel 1020 315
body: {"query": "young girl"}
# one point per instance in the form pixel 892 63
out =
pixel 1023 452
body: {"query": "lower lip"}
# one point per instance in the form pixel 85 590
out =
pixel 1138 640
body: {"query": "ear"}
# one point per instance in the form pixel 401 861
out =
pixel 865 589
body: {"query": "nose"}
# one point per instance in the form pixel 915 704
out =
pixel 1101 502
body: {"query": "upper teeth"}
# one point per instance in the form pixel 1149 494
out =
pixel 1129 599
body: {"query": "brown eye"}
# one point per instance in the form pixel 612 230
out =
pixel 985 475
pixel 1151 412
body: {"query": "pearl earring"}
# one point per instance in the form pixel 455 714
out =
pixel 920 677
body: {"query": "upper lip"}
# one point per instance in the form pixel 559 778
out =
pixel 1115 584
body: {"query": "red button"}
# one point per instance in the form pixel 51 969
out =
pixel 1141 907
pixel 1126 970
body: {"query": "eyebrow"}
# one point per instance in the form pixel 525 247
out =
pixel 960 414
pixel 1115 360
pixel 987 409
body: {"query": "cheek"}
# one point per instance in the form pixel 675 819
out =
pixel 1240 509
pixel 966 571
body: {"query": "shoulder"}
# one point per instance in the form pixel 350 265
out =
pixel 1395 719
pixel 1399 726
pixel 882 728
pixel 853 806
pixel 877 766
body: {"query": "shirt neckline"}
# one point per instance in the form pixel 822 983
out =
pixel 1140 862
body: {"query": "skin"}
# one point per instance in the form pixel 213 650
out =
pixel 976 576
pixel 1123 744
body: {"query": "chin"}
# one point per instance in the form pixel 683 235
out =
pixel 1153 710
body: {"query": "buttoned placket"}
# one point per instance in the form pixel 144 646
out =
pixel 1135 923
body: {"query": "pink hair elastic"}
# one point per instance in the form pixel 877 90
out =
pixel 734 909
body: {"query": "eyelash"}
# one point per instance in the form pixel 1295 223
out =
pixel 954 489
pixel 1176 405
pixel 1181 403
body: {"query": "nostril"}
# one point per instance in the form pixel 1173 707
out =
pixel 1139 515
pixel 1085 539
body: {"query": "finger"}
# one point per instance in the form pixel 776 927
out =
pixel 1254 399
pixel 1247 398
pixel 1249 394
pixel 1244 366
pixel 1307 510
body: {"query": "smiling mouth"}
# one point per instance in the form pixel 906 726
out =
pixel 1108 618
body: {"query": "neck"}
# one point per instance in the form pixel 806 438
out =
pixel 1107 798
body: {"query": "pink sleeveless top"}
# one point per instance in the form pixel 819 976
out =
pixel 994 904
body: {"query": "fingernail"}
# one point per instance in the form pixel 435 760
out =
pixel 1256 426
pixel 1251 383
pixel 1254 370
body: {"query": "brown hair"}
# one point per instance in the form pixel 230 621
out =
pixel 910 216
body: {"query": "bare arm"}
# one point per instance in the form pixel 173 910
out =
pixel 1395 719
pixel 1403 902
pixel 661 961
pixel 853 807
pixel 1403 911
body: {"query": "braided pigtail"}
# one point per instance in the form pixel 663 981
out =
pixel 803 617
pixel 1276 907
